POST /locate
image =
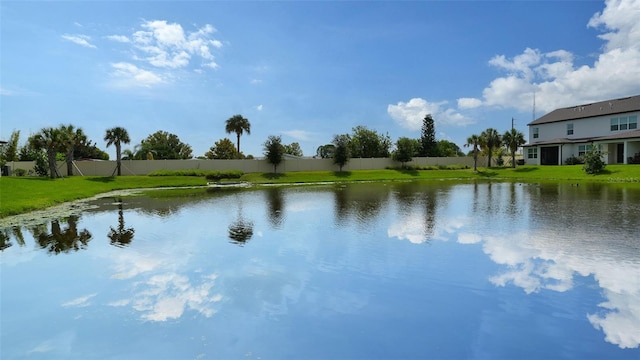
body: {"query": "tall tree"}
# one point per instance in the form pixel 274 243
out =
pixel 50 140
pixel 342 153
pixel 428 145
pixel 447 148
pixel 367 143
pixel 490 139
pixel 406 149
pixel 474 140
pixel 222 149
pixel 326 151
pixel 238 124
pixel 163 145
pixel 513 139
pixel 72 138
pixel 10 149
pixel 274 150
pixel 117 136
pixel 293 149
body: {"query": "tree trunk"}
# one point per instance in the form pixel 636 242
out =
pixel 238 155
pixel 513 159
pixel 51 159
pixel 69 158
pixel 475 161
pixel 118 157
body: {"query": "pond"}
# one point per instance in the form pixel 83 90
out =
pixel 376 270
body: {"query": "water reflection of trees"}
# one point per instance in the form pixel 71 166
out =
pixel 275 206
pixel 60 240
pixel 6 235
pixel 122 235
pixel 362 202
pixel 413 196
pixel 241 230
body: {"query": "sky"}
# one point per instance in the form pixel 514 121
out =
pixel 308 70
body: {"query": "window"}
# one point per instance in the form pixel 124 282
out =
pixel 569 129
pixel 624 123
pixel 535 133
pixel 582 149
pixel 614 124
pixel 532 153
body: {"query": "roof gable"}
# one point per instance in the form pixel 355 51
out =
pixel 607 107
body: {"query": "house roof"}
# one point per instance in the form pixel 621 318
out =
pixel 607 107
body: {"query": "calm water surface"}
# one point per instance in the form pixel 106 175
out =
pixel 401 270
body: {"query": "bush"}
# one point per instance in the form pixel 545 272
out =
pixel 19 172
pixel 574 160
pixel 41 166
pixel 593 163
pixel 226 174
pixel 213 175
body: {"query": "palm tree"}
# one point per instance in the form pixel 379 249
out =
pixel 51 140
pixel 474 140
pixel 513 139
pixel 489 140
pixel 117 135
pixel 238 124
pixel 71 138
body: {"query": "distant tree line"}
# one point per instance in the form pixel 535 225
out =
pixel 67 143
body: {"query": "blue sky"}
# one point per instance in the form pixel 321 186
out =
pixel 308 70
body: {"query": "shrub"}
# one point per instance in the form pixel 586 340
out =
pixel 226 174
pixel 574 160
pixel 19 172
pixel 208 174
pixel 593 163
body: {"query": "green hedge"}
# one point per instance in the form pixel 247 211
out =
pixel 213 175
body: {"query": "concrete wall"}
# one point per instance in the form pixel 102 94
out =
pixel 143 167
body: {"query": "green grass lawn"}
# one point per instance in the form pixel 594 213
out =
pixel 24 194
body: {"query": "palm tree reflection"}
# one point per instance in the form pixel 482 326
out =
pixel 241 230
pixel 121 236
pixel 62 240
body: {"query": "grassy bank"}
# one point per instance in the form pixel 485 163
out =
pixel 24 194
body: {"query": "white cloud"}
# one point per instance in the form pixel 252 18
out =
pixel 167 296
pixel 469 103
pixel 556 80
pixel 620 19
pixel 297 134
pixel 410 114
pixel 256 81
pixel 82 40
pixel 409 228
pixel 129 75
pixel 79 302
pixel 118 38
pixel 167 45
pixel 259 107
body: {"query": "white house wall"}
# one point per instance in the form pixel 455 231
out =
pixel 582 128
pixel 585 128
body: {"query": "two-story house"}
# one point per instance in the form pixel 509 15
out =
pixel 570 132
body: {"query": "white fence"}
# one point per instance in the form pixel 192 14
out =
pixel 143 167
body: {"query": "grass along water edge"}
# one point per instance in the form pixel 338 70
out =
pixel 24 194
